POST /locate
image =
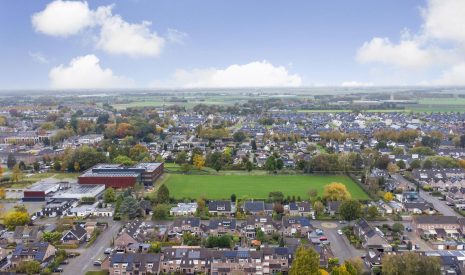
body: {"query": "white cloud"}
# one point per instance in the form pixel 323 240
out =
pixel 438 45
pixel 85 72
pixel 445 20
pixel 63 18
pixel 115 35
pixel 407 53
pixel 120 37
pixel 254 74
pixel 356 84
pixel 39 57
pixel 175 36
pixel 455 76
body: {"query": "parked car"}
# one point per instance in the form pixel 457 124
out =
pixel 339 231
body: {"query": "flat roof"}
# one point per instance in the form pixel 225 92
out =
pixel 42 186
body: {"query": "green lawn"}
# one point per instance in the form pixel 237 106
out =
pixel 257 187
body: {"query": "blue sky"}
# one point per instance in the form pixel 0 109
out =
pixel 230 43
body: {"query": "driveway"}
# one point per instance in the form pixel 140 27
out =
pixel 438 204
pixel 340 245
pixel 84 263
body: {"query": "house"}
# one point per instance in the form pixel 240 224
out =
pixel 420 207
pixel 255 222
pixel 258 207
pixel 134 263
pixel 184 209
pixel 332 207
pixel 372 238
pixel 77 235
pixel 303 209
pixel 221 208
pixel 218 227
pixel 191 225
pixel 123 241
pixel 429 225
pixel 27 234
pixel 293 226
pixel 39 251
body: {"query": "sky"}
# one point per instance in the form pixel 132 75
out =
pixel 241 43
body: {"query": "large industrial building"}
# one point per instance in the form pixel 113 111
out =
pixel 120 176
pixel 41 189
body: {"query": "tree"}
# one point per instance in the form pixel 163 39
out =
pixel 216 161
pixel 319 207
pixel 16 218
pixel 36 166
pixel 411 263
pixel 199 161
pixel 11 161
pixel 109 196
pixel 155 247
pixel 312 193
pixel 130 207
pixel 350 210
pixel 397 227
pixel 1 171
pixel 306 262
pixel 233 197
pixel 16 174
pixel 2 193
pixel 415 164
pixel 276 196
pixel 51 237
pixel 248 165
pixel 163 194
pixel 388 196
pixel 270 164
pixel 279 164
pixel 122 159
pixel 181 157
pixel 336 192
pixel 28 267
pixel 239 136
pixel 372 212
pixel 160 212
pixel 186 168
pixel 392 168
pixel 401 164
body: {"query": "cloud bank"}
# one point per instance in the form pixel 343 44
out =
pixel 253 74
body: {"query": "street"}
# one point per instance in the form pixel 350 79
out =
pixel 340 245
pixel 437 203
pixel 84 262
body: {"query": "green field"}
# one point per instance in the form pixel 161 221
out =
pixel 257 187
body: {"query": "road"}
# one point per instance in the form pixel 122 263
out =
pixel 84 262
pixel 340 245
pixel 438 204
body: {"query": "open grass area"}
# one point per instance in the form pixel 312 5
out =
pixel 252 186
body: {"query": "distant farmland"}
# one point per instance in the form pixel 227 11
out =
pixel 251 186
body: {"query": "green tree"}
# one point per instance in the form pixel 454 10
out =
pixel 130 207
pixel 110 195
pixel 163 194
pixel 372 212
pixel 11 161
pixel 306 262
pixel 411 263
pixel 122 159
pixel 239 136
pixel 270 164
pixel 279 164
pixel 51 237
pixel 28 267
pixel 160 212
pixel 181 157
pixel 319 207
pixel 16 174
pixel 350 210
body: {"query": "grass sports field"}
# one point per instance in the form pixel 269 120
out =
pixel 257 187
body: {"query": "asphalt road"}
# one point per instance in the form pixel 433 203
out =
pixel 438 204
pixel 84 263
pixel 340 245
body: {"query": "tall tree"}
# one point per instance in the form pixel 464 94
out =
pixel 109 196
pixel 130 207
pixel 306 262
pixel 350 210
pixel 163 194
pixel 336 192
pixel 411 263
pixel 11 161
